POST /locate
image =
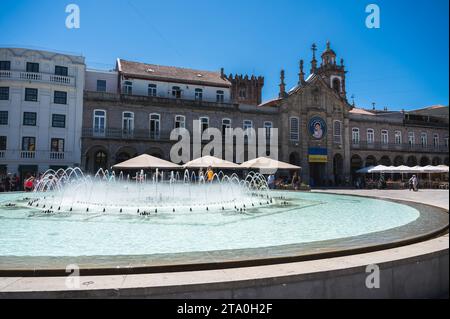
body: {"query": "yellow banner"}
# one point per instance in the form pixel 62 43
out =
pixel 318 158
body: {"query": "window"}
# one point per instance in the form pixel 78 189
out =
pixel 28 144
pixel 58 120
pixel 268 128
pixel 3 140
pixel 337 132
pixel 155 126
pixel 99 122
pixel 398 137
pixel 152 90
pixel 61 70
pixel 446 142
pixel 60 97
pixel 5 65
pixel 411 138
pixel 220 96
pixel 226 123
pixel 4 93
pixel 384 137
pixel 29 118
pixel 176 92
pixel 355 135
pixel 423 139
pixel 127 88
pixel 180 121
pixel 100 160
pixel 127 123
pixel 33 67
pixel 436 140
pixel 248 124
pixel 337 85
pixel 198 94
pixel 204 124
pixel 3 117
pixel 294 129
pixel 101 85
pixel 242 93
pixel 31 95
pixel 57 145
pixel 370 136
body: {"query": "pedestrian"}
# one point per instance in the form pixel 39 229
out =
pixel 271 181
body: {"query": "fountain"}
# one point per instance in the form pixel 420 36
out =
pixel 70 190
pixel 117 221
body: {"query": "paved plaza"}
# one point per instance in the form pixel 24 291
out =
pixel 434 197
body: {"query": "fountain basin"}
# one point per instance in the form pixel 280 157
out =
pixel 307 226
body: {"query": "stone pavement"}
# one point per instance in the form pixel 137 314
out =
pixel 434 197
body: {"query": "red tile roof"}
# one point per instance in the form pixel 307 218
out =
pixel 171 74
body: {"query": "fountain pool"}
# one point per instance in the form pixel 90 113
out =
pixel 108 221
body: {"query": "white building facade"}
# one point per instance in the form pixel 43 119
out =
pixel 41 110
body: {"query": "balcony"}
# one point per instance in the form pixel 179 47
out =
pixel 27 154
pixel 38 77
pixel 119 134
pixel 404 147
pixel 33 156
pixel 156 100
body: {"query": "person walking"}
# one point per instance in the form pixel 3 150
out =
pixel 271 181
pixel 295 181
pixel 210 174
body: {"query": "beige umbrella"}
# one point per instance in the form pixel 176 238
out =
pixel 146 161
pixel 210 161
pixel 267 163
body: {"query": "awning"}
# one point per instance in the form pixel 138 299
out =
pixel 268 163
pixel 146 161
pixel 210 161
pixel 403 169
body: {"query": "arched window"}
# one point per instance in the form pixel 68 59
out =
pixel 398 137
pixel 100 160
pixel 99 123
pixel 384 136
pixel 337 85
pixel 370 136
pixel 435 140
pixel 423 139
pixel 155 120
pixel 294 129
pixel 355 135
pixel 337 132
pixel 127 123
pixel 411 138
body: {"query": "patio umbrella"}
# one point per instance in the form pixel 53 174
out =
pixel 268 163
pixel 210 161
pixel 365 170
pixel 146 161
pixel 380 169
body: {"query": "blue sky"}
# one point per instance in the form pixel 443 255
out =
pixel 404 64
